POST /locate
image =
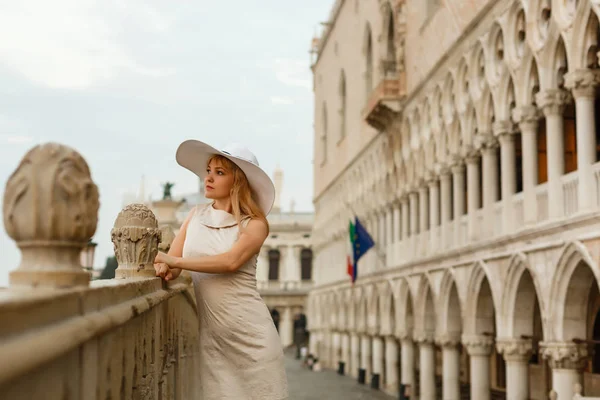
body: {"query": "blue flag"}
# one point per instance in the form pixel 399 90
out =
pixel 361 242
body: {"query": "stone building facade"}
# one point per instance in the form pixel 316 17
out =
pixel 464 135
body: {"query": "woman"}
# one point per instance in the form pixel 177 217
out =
pixel 218 243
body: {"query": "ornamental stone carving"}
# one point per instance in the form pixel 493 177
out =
pixel 51 210
pixel 167 237
pixel 583 82
pixel 514 349
pixel 478 345
pixel 553 101
pixel 447 340
pixel 135 237
pixel 563 355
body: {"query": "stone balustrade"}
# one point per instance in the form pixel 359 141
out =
pixel 64 337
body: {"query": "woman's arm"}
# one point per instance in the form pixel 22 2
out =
pixel 248 244
pixel 176 250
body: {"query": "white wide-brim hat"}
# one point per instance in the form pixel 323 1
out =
pixel 194 155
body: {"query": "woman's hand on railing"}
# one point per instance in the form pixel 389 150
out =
pixel 166 273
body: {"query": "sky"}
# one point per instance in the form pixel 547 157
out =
pixel 124 82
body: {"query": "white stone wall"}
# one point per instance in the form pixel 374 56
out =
pixel 475 277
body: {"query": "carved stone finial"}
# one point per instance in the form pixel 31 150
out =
pixel 51 210
pixel 135 236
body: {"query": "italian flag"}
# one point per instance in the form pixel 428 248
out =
pixel 351 264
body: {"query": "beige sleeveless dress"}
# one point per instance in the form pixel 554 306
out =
pixel 241 357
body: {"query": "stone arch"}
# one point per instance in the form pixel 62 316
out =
pixel 516 34
pixel 462 86
pixel 450 320
pixel 479 71
pixel 496 54
pixel 557 64
pixel 521 291
pixel 404 309
pixel 361 313
pixel 568 12
pixel 528 82
pixel 386 309
pixel 573 278
pixel 425 308
pixel 372 298
pixel 448 99
pixel 469 127
pixel 538 21
pixel 506 100
pixel 480 311
pixel 585 40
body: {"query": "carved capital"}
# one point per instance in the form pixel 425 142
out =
pixel 51 211
pixel 478 345
pixel 167 237
pixel 424 338
pixel 562 355
pixel 583 82
pixel 526 116
pixel 135 237
pixel 472 155
pixel 514 349
pixel 553 101
pixel 447 340
pixel 503 128
pixel 489 142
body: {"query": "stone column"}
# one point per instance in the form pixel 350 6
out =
pixel 473 192
pixel 391 361
pixel 504 130
pixel 434 211
pixel 517 353
pixel 354 351
pixel 458 182
pixel 583 84
pixel 51 211
pixel 426 368
pixel 407 354
pixel 553 103
pixel 383 238
pixel 490 183
pixel 446 205
pixel 336 344
pixel 479 349
pixel 567 361
pixel 365 362
pixel 396 228
pixel 414 222
pixel 423 209
pixel 377 362
pixel 345 359
pixel 286 327
pixel 527 117
pixel 406 224
pixel 450 367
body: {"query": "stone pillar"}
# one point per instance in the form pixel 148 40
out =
pixel 426 368
pixel 391 361
pixel 406 214
pixel 450 367
pixel 407 354
pixel 504 130
pixel 365 362
pixel 527 117
pixel 553 103
pixel 383 239
pixel 345 359
pixel 446 206
pixel 135 230
pixel 458 183
pixel 517 353
pixel 473 192
pixel 479 349
pixel 583 84
pixel 434 211
pixel 286 328
pixel 423 209
pixel 490 183
pixel 377 362
pixel 396 228
pixel 354 352
pixel 336 344
pixel 567 361
pixel 414 222
pixel 389 229
pixel 50 210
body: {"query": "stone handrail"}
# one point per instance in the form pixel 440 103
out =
pixel 62 337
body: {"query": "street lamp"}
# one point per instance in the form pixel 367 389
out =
pixel 87 255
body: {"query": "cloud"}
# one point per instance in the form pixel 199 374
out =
pixel 281 100
pixel 15 139
pixel 290 72
pixel 74 44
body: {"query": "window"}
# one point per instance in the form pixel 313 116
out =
pixel 306 257
pixel 342 90
pixel 274 257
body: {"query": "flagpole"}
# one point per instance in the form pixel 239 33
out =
pixel 378 251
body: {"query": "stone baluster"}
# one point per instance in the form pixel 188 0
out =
pixel 51 211
pixel 516 353
pixel 135 237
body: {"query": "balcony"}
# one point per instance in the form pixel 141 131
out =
pixel 385 100
pixel 64 337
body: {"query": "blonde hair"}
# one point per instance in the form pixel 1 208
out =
pixel 243 201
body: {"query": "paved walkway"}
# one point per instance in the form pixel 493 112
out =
pixel 305 384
